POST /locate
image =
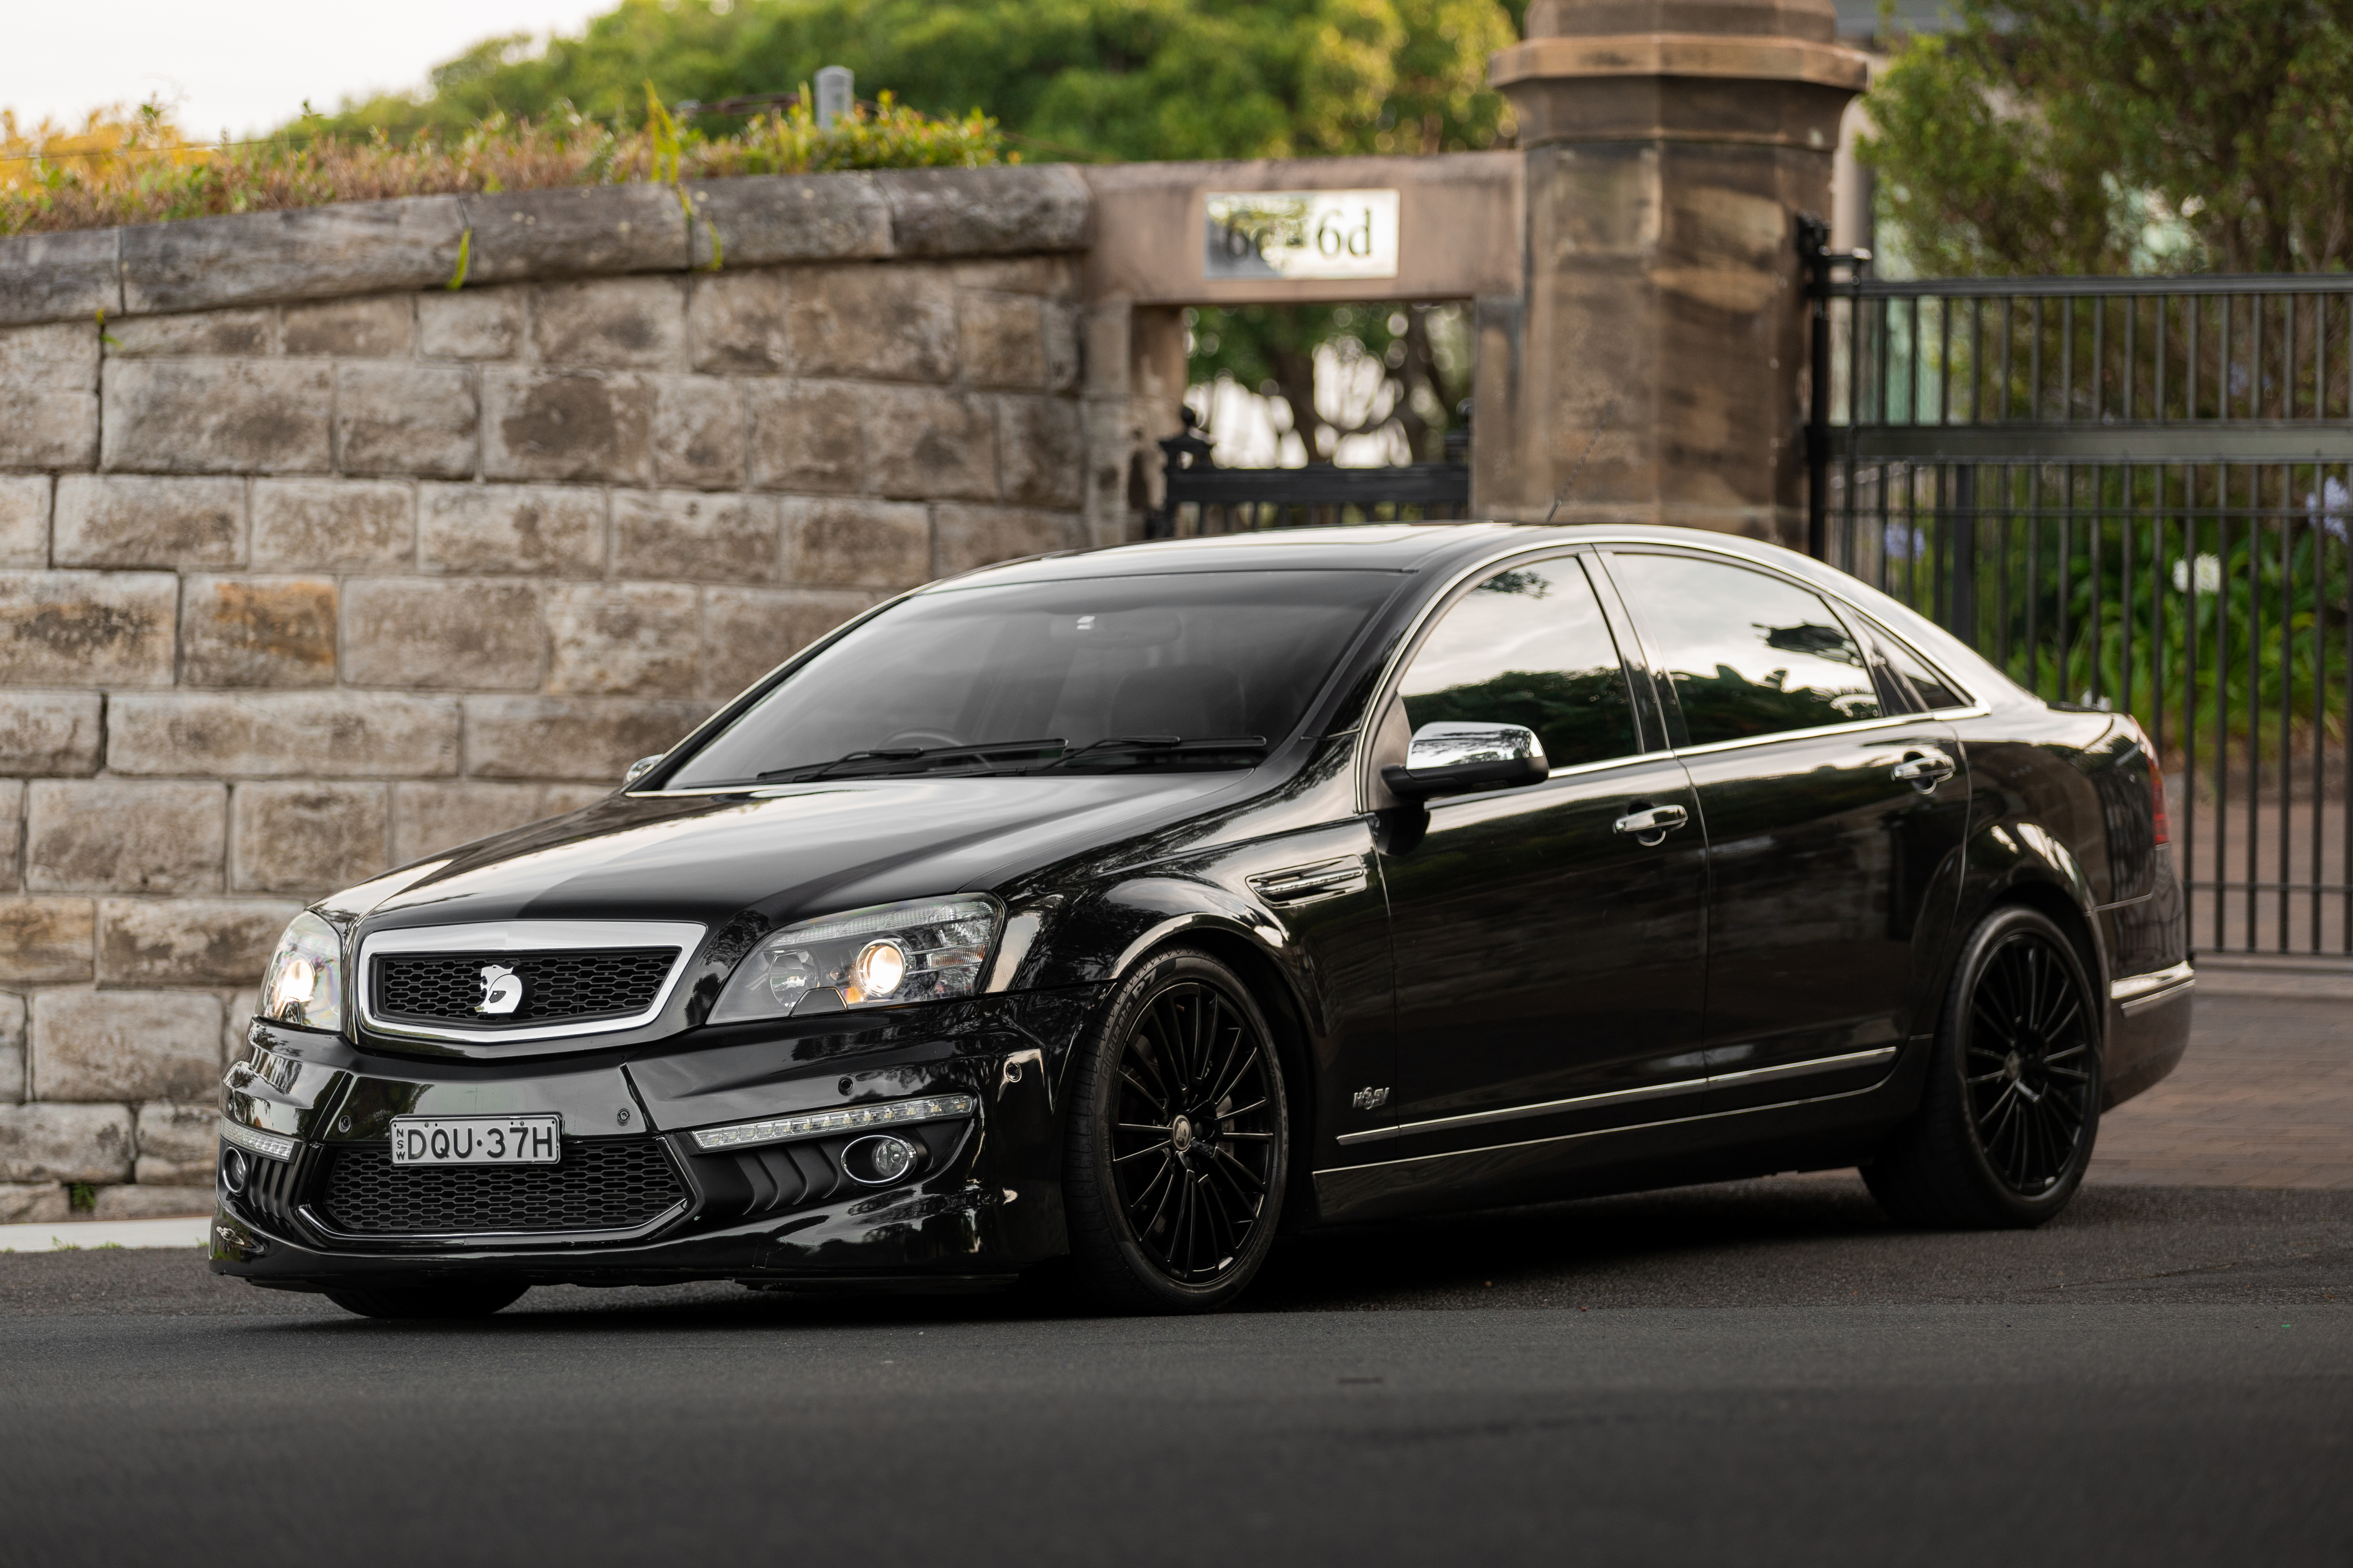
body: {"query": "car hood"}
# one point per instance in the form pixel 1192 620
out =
pixel 807 849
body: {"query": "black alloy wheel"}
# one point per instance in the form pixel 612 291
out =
pixel 426 1300
pixel 2028 1064
pixel 1179 1149
pixel 2011 1107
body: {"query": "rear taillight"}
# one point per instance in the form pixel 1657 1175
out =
pixel 2156 781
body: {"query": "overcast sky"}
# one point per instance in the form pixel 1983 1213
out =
pixel 243 66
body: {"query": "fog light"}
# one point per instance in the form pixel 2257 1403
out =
pixel 232 1170
pixel 880 1160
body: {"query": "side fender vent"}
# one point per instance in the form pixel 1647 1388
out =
pixel 1304 884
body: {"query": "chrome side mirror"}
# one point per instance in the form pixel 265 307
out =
pixel 1454 759
pixel 640 768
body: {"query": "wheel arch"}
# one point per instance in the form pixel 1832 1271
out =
pixel 2048 899
pixel 2017 861
pixel 1276 992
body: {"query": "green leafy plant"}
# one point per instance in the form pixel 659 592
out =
pixel 2221 619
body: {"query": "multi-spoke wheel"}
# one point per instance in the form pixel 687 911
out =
pixel 2013 1103
pixel 1177 1151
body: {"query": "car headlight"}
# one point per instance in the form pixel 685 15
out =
pixel 304 983
pixel 925 950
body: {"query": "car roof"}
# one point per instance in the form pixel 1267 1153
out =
pixel 1376 547
pixel 1441 547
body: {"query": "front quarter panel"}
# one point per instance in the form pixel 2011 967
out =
pixel 1318 963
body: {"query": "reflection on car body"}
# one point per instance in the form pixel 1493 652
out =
pixel 1145 904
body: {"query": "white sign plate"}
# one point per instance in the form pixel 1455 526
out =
pixel 531 1140
pixel 1300 234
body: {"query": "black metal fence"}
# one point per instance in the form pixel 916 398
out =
pixel 2132 492
pixel 1204 499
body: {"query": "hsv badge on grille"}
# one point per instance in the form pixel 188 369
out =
pixel 501 990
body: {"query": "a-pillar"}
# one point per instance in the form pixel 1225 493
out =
pixel 1670 146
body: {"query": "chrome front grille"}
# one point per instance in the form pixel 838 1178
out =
pixel 575 985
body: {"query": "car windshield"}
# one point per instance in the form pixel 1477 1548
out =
pixel 1189 671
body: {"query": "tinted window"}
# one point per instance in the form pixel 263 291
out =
pixel 1199 655
pixel 1748 654
pixel 1932 689
pixel 1528 646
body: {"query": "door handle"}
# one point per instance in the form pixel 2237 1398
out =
pixel 1924 771
pixel 1650 824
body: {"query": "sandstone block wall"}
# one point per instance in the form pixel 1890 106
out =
pixel 329 574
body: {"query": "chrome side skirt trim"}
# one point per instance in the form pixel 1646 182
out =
pixel 1623 1096
pixel 1486 1149
pixel 1872 1058
pixel 524 936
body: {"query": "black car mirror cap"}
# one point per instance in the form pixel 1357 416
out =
pixel 1458 758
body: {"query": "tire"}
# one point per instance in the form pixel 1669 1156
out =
pixel 2011 1109
pixel 426 1300
pixel 1182 1066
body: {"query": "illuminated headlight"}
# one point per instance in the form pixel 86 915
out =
pixel 304 983
pixel 927 950
pixel 824 1123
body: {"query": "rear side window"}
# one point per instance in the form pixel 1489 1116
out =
pixel 1748 653
pixel 1930 687
pixel 1528 646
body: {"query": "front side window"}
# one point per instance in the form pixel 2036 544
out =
pixel 1528 646
pixel 1204 669
pixel 1748 654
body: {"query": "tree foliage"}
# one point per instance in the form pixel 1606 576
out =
pixel 1088 79
pixel 2090 136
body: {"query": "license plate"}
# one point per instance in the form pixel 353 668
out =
pixel 477 1139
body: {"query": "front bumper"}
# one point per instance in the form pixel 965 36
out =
pixel 636 1199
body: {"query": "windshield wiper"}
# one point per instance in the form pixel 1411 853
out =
pixel 1143 751
pixel 895 759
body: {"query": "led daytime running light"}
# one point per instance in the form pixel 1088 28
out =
pixel 853 1118
pixel 253 1141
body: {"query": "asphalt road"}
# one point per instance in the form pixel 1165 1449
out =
pixel 1763 1372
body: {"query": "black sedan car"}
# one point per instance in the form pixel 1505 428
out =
pixel 1137 907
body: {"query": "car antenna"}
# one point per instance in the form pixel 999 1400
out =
pixel 1607 410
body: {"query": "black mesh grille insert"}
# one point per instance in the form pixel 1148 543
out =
pixel 557 987
pixel 602 1183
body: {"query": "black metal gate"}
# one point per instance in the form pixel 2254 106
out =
pixel 2131 492
pixel 1202 498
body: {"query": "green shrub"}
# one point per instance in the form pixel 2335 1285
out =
pixel 167 179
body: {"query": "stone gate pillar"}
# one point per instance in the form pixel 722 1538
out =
pixel 1670 145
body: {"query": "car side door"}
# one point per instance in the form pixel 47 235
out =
pixel 1549 949
pixel 1832 823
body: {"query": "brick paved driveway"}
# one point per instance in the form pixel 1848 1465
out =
pixel 2265 1098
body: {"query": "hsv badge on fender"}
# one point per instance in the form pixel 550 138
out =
pixel 1139 907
